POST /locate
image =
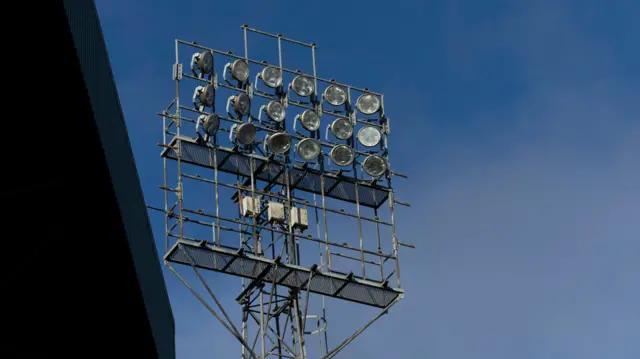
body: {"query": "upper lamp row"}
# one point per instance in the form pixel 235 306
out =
pixel 302 85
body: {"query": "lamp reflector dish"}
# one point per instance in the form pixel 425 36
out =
pixel 240 70
pixel 242 104
pixel 369 136
pixel 210 124
pixel 342 155
pixel 275 110
pixel 335 95
pixel 205 62
pixel 271 76
pixel 308 149
pixel 246 133
pixel 310 120
pixel 207 95
pixel 374 165
pixel 368 104
pixel 303 86
pixel 279 143
pixel 342 128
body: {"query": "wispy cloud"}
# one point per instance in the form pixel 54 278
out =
pixel 531 251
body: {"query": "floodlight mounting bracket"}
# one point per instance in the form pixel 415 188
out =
pixel 177 72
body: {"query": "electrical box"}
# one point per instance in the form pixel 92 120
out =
pixel 275 212
pixel 250 208
pixel 298 218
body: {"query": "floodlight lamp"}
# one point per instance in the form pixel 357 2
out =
pixel 308 149
pixel 374 165
pixel 246 133
pixel 335 95
pixel 210 123
pixel 275 110
pixel 369 136
pixel 205 62
pixel 207 95
pixel 279 143
pixel 310 120
pixel 303 86
pixel 342 128
pixel 240 70
pixel 342 155
pixel 368 104
pixel 271 76
pixel 241 103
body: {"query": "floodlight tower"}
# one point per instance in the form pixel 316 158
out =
pixel 289 156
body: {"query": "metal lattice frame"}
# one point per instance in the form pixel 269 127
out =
pixel 276 287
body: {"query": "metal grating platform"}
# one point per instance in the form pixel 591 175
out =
pixel 308 180
pixel 207 256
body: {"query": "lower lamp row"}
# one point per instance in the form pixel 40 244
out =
pixel 308 148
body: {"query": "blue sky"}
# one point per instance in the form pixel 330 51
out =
pixel 519 125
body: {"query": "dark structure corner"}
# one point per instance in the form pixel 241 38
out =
pixel 84 277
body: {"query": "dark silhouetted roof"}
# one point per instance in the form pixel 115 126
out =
pixel 81 272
